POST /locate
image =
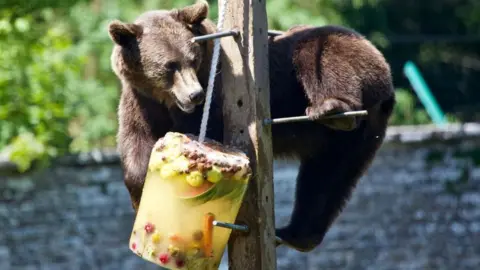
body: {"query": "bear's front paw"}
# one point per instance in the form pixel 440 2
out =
pixel 329 107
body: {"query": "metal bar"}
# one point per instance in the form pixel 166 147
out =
pixel 274 33
pixel 226 33
pixel 243 228
pixel 306 118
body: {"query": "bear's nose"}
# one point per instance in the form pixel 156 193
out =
pixel 197 97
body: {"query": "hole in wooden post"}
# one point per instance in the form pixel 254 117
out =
pixel 241 131
pixel 239 103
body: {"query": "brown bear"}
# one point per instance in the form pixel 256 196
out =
pixel 313 71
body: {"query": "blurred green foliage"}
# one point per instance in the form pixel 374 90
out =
pixel 405 112
pixel 58 94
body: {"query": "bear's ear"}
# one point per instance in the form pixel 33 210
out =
pixel 124 33
pixel 194 14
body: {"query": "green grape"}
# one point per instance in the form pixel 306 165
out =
pixel 195 179
pixel 214 175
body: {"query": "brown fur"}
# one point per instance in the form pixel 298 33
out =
pixel 313 71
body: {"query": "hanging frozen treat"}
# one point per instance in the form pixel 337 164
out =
pixel 188 186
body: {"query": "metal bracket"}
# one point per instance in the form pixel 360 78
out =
pixel 236 227
pixel 226 33
pixel 229 33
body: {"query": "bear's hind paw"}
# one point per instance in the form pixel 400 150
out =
pixel 293 244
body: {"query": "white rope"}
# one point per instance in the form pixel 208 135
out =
pixel 211 78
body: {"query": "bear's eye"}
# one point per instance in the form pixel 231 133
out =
pixel 171 66
pixel 194 63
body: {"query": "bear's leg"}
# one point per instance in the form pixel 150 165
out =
pixel 135 152
pixel 317 202
pixel 324 184
pixel 332 106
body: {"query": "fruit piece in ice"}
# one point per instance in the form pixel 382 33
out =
pixel 195 249
pixel 195 179
pixel 173 250
pixel 214 175
pixel 208 234
pixel 172 152
pixel 197 235
pixel 174 237
pixel 156 238
pixel 190 192
pixel 241 174
pixel 197 195
pixel 167 171
pixel 180 164
pixel 174 139
pixel 150 251
pixel 164 258
pixel 156 162
pixel 180 263
pixel 149 227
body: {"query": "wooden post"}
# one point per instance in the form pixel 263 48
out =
pixel 246 95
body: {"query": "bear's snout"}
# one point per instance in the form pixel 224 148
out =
pixel 187 89
pixel 197 96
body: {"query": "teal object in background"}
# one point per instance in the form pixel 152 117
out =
pixel 424 94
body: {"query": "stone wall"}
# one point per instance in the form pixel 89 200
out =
pixel 418 207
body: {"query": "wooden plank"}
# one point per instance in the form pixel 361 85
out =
pixel 246 93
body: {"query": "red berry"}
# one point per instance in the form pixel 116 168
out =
pixel 164 258
pixel 149 227
pixel 134 246
pixel 180 263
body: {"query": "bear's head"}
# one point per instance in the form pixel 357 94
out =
pixel 157 57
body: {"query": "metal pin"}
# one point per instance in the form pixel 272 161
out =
pixel 221 34
pixel 306 118
pixel 243 228
pixel 274 33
